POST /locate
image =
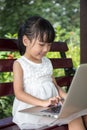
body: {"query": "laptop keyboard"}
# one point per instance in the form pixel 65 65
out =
pixel 53 109
pixel 56 109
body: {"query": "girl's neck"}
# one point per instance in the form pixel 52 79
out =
pixel 33 59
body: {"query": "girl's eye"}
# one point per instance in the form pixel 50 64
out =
pixel 41 44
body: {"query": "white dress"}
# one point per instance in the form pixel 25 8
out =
pixel 37 82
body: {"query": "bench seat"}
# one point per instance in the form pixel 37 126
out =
pixel 7 124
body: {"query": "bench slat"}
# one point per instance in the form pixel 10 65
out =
pixel 6 122
pixel 57 46
pixel 8 45
pixel 64 81
pixel 62 63
pixel 6 89
pixel 6 65
pixel 11 45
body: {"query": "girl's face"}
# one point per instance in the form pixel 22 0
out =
pixel 35 50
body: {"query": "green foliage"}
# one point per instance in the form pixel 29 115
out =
pixel 6 106
pixel 61 34
pixel 74 53
pixel 9 35
pixel 14 12
pixel 72 38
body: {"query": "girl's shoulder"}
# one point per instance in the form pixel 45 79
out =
pixel 21 61
pixel 47 61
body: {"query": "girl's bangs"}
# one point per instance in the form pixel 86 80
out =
pixel 46 36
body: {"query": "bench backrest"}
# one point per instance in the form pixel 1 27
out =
pixel 6 88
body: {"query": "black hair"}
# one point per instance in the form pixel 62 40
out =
pixel 35 27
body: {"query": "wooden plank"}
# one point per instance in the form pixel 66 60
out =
pixel 11 45
pixel 6 89
pixel 6 122
pixel 59 46
pixel 8 45
pixel 64 81
pixel 15 127
pixel 6 65
pixel 61 63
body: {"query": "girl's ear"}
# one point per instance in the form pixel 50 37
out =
pixel 25 40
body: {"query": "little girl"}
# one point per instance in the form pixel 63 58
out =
pixel 34 84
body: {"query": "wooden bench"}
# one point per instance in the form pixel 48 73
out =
pixel 6 88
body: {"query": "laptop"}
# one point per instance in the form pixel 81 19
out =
pixel 75 104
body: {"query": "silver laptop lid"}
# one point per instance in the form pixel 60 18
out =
pixel 77 95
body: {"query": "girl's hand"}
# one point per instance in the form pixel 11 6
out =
pixel 51 101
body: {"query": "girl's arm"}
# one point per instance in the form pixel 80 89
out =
pixel 62 94
pixel 24 96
